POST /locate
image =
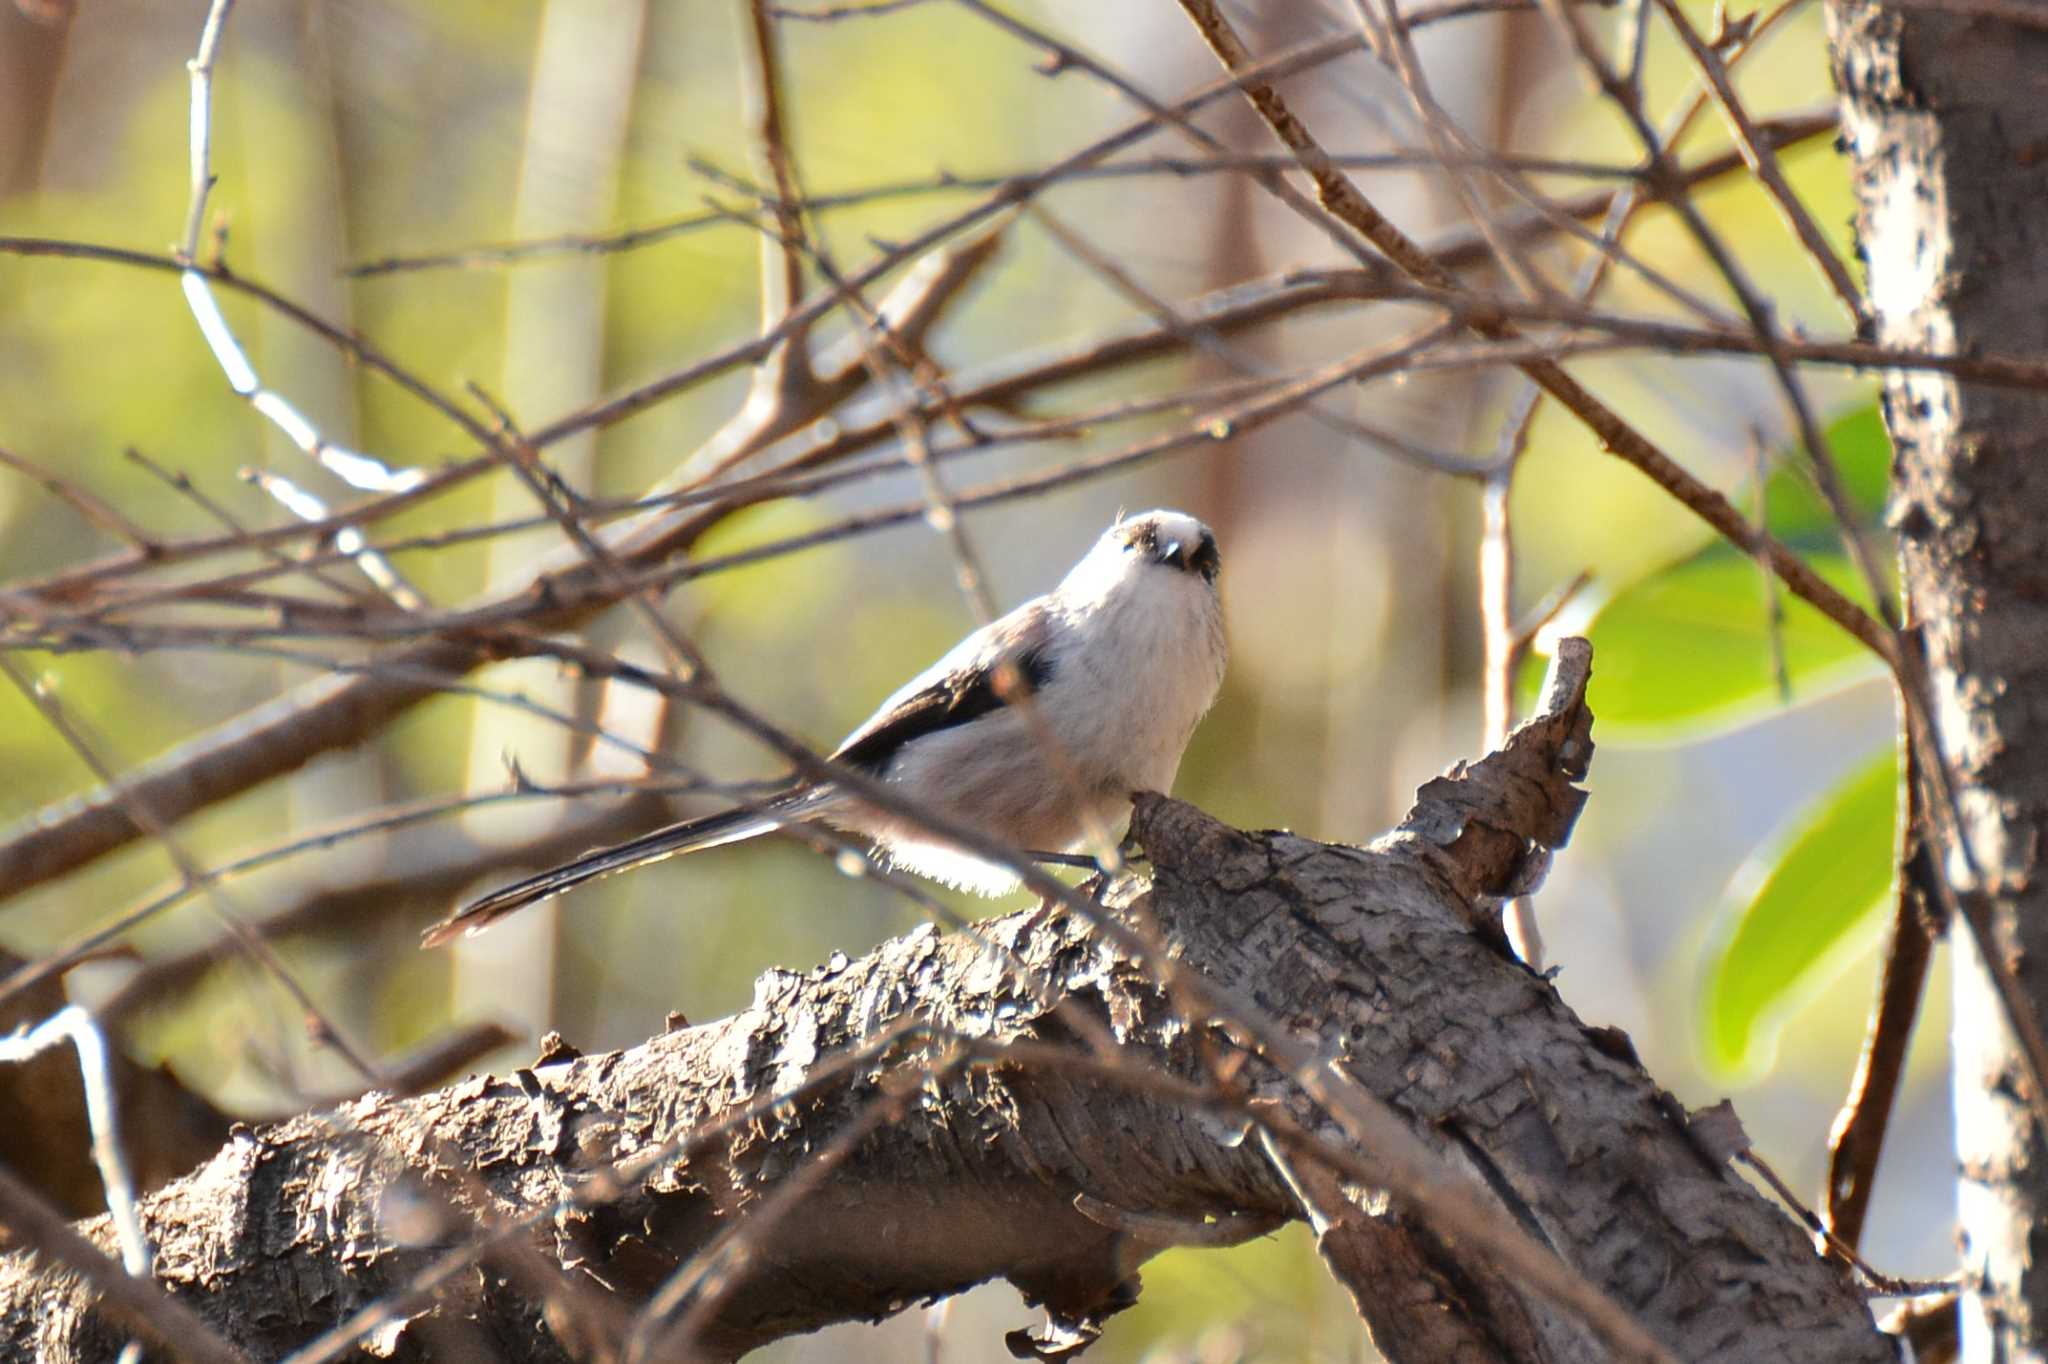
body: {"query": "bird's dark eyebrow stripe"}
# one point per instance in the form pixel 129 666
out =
pixel 954 700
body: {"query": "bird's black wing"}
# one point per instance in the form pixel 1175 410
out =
pixel 959 688
pixel 948 696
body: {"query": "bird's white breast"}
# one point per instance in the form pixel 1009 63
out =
pixel 1133 668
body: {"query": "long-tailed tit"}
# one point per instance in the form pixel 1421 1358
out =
pixel 1119 661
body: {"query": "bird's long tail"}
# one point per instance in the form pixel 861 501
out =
pixel 692 835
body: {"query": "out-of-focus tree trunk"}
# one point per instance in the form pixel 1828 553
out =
pixel 1946 117
pixel 32 39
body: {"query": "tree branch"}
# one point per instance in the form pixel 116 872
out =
pixel 1011 1151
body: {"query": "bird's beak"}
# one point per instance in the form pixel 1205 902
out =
pixel 1170 554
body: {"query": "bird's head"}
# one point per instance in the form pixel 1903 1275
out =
pixel 1173 540
pixel 1159 548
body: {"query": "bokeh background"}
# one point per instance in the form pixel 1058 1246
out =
pixel 351 131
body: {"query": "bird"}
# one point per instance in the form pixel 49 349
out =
pixel 1119 662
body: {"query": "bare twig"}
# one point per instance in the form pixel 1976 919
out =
pixel 1773 603
pixel 782 273
pixel 358 470
pixel 1340 197
pixel 75 1025
pixel 97 511
pixel 1887 1285
pixel 1856 1140
pixel 1761 318
pixel 1261 302
pixel 138 809
pixel 1763 161
pixel 201 70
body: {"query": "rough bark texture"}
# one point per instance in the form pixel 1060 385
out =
pixel 907 1175
pixel 1946 117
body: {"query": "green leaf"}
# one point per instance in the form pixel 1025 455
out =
pixel 1802 900
pixel 1687 650
pixel 1862 450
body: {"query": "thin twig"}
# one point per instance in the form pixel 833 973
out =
pixel 1756 308
pixel 782 271
pixel 138 809
pixel 138 1303
pixel 1763 161
pixel 1887 1285
pixel 96 510
pixel 1208 339
pixel 77 1026
pixel 1773 603
pixel 1261 300
pixel 1617 436
pixel 1856 1140
pixel 201 71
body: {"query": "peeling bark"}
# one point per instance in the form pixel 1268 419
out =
pixel 1946 118
pixel 930 1114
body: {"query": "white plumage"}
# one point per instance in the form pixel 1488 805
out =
pixel 1121 660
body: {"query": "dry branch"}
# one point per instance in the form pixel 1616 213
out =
pixel 1344 201
pixel 986 1122
pixel 339 711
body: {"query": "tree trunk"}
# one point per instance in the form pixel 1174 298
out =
pixel 1027 1101
pixel 1946 116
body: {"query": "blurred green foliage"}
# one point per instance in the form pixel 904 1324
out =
pixel 1798 910
pixel 1698 645
pixel 1693 649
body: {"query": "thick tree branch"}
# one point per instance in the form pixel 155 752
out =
pixel 968 1135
